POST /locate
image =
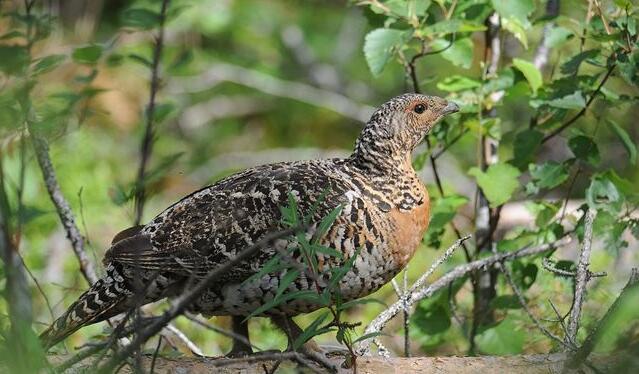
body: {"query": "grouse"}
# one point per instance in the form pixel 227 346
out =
pixel 385 212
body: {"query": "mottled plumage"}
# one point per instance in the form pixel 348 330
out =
pixel 385 213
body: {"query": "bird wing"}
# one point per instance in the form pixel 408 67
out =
pixel 214 224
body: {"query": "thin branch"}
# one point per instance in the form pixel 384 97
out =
pixel 524 304
pixel 581 277
pixel 440 152
pixel 594 94
pixel 149 132
pixel 62 206
pixel 185 339
pixel 548 265
pixel 589 344
pixel 458 272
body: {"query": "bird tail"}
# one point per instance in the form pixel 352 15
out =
pixel 102 301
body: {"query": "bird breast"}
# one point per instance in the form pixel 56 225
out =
pixel 408 228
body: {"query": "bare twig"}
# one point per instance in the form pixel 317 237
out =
pixel 62 205
pixel 458 272
pixel 582 276
pixel 593 95
pixel 147 141
pixel 182 336
pixel 548 265
pixel 589 344
pixel 524 304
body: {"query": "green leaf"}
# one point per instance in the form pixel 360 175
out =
pixel 297 295
pixel 571 67
pixel 288 278
pixel 627 142
pixel 87 55
pixel 328 251
pixel 526 144
pixel 504 339
pixel 515 27
pixel 457 83
pixel 48 63
pixel 13 59
pixel 585 148
pixel 530 71
pixel 557 36
pixel 573 101
pixel 163 111
pixel 120 195
pixel 624 186
pixel 460 53
pixel 310 331
pixel 338 273
pixel 379 47
pixel 368 336
pixel 504 80
pixel 327 222
pixel 524 274
pixel 517 9
pixel 29 213
pixel 141 60
pixel 352 303
pixel 443 211
pixel 450 26
pixel 405 8
pixel 505 302
pixel 498 182
pixel 548 175
pixel 140 18
pixel 602 194
pixel 432 319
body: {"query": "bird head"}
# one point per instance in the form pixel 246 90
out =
pixel 400 124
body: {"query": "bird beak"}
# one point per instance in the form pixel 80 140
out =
pixel 451 108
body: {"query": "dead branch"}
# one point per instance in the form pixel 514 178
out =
pixel 458 272
pixel 586 348
pixel 582 276
pixel 62 207
pixel 524 304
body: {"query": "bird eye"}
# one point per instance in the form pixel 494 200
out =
pixel 419 108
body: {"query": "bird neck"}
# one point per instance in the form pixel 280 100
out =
pixel 387 168
pixel 380 154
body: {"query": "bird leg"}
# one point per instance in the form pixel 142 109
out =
pixel 293 331
pixel 241 344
